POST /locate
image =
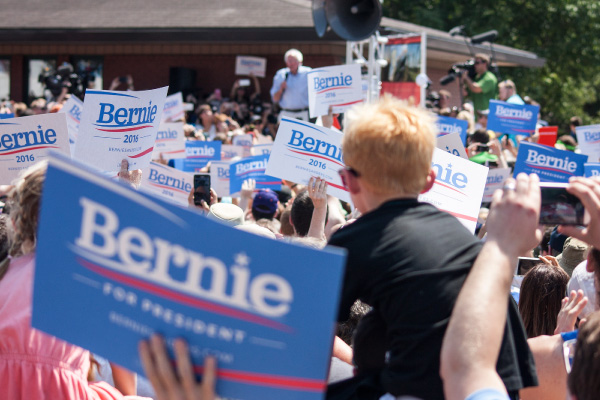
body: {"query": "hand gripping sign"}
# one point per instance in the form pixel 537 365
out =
pixel 132 265
pixel 302 150
pixel 168 183
pixel 26 140
pixel 551 165
pixel 119 125
pixel 170 141
pixel 339 87
pixel 588 138
pixel 458 187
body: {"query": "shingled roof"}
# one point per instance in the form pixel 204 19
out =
pixel 154 14
pixel 200 21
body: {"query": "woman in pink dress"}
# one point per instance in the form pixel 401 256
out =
pixel 34 365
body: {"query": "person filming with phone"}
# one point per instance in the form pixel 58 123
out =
pixel 290 87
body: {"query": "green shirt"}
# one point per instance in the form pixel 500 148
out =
pixel 489 86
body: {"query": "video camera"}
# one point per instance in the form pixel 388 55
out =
pixel 457 69
pixel 432 101
pixel 64 76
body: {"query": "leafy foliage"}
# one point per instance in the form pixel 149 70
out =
pixel 565 32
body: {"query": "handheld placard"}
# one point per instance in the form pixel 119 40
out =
pixel 132 265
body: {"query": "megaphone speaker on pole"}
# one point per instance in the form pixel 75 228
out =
pixel 352 20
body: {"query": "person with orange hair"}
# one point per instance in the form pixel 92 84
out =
pixel 406 259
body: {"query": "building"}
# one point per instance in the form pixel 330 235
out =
pixel 190 45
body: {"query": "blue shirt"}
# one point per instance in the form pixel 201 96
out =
pixel 515 99
pixel 295 96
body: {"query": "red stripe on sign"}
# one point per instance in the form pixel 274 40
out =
pixel 462 216
pixel 143 153
pixel 277 381
pixel 347 104
pixel 125 129
pixel 550 169
pixel 182 298
pixel 337 186
pixel 333 88
pixel 28 149
pixel 449 187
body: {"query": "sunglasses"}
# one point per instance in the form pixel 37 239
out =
pixel 343 171
pixel 479 62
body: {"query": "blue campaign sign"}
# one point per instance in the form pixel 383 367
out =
pixel 447 125
pixel 188 164
pixel 252 168
pixel 131 265
pixel 512 119
pixel 7 116
pixel 552 165
pixel 591 169
pixel 201 150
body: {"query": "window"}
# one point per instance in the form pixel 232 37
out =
pixel 40 73
pixel 90 70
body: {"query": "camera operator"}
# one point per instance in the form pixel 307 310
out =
pixel 483 88
pixel 61 82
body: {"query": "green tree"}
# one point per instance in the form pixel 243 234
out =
pixel 565 32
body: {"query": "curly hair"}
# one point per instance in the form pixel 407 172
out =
pixel 24 203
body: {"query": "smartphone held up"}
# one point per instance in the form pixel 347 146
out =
pixel 559 207
pixel 201 189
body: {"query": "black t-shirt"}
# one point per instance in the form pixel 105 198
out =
pixel 408 260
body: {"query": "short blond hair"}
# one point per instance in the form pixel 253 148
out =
pixel 390 144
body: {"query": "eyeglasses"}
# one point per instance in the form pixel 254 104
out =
pixel 479 62
pixel 342 172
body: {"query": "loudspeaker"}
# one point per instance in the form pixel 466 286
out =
pixel 182 80
pixel 319 17
pixel 351 20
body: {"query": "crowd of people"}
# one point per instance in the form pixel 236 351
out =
pixel 425 311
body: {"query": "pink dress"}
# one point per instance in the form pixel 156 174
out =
pixel 34 365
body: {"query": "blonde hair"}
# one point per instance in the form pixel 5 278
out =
pixel 24 209
pixel 467 116
pixel 390 144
